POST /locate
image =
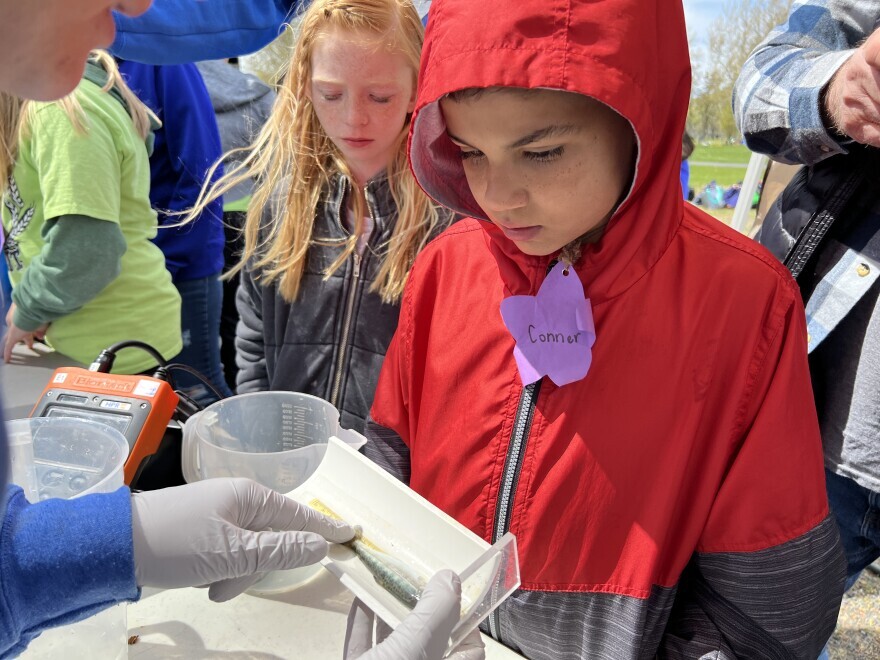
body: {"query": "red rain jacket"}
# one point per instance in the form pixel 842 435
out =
pixel 672 501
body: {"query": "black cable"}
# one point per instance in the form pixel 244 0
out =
pixel 161 373
pixel 104 362
pixel 186 407
pixel 193 372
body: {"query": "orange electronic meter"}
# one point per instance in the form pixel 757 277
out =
pixel 139 407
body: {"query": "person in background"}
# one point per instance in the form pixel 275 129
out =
pixel 78 224
pixel 337 218
pixel 687 148
pixel 592 364
pixel 186 146
pixel 809 95
pixel 63 560
pixel 242 104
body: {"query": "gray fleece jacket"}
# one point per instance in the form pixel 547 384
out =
pixel 331 341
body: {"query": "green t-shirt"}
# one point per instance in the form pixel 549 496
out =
pixel 103 173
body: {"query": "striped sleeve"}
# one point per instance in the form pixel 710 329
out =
pixel 768 570
pixel 781 602
pixel 385 448
pixel 778 94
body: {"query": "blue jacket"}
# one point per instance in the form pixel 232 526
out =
pixel 685 176
pixel 61 561
pixel 186 146
pixel 175 31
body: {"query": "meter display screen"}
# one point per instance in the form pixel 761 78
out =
pixel 72 398
pixel 118 422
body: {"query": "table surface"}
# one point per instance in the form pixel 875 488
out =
pixel 26 376
pixel 307 623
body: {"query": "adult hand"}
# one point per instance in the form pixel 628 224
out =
pixel 15 335
pixel 216 532
pixel 852 99
pixel 422 635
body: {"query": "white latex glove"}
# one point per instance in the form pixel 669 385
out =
pixel 422 635
pixel 213 533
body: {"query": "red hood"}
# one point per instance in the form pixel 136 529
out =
pixel 630 54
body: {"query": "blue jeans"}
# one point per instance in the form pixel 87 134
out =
pixel 857 512
pixel 201 300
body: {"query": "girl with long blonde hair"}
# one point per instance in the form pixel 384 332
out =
pixel 336 218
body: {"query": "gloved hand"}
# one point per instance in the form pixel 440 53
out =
pixel 422 635
pixel 212 533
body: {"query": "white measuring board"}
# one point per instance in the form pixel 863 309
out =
pixel 405 525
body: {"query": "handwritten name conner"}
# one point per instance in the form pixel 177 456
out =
pixel 552 337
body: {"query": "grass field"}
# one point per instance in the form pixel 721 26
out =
pixel 720 162
pixel 720 152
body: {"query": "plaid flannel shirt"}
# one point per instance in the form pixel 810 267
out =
pixel 777 96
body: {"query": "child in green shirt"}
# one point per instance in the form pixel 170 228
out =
pixel 78 224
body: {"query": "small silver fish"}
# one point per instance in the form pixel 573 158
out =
pixel 385 570
pixel 389 572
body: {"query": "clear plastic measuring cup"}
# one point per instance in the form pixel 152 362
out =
pixel 278 439
pixel 62 457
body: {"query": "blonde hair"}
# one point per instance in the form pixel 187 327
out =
pixel 293 162
pixel 16 113
pixel 11 114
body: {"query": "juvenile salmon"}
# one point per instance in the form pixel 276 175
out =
pixel 390 573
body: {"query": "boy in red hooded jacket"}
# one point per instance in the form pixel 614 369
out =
pixel 654 448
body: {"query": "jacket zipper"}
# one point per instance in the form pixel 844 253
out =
pixel 346 329
pixel 349 311
pixel 525 413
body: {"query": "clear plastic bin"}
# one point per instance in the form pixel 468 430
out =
pixel 64 458
pixel 278 439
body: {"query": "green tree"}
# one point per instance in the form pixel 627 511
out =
pixel 732 37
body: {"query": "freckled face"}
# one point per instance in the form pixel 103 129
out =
pixel 546 166
pixel 362 93
pixel 45 42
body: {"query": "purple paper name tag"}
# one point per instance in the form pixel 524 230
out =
pixel 553 330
